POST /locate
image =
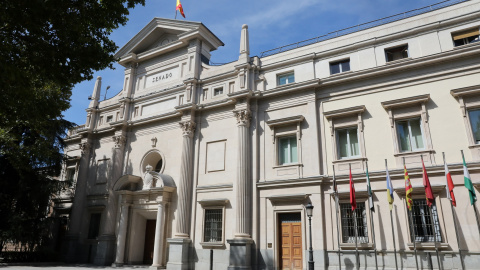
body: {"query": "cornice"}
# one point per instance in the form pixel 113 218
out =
pixel 345 112
pixel 466 91
pixel 290 88
pixel 216 104
pixel 214 202
pixel 288 62
pixel 288 198
pixel 154 118
pixel 288 183
pixel 285 121
pixel 387 105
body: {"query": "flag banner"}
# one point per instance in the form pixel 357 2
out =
pixel 449 185
pixel 370 194
pixel 389 188
pixel 353 202
pixel 180 8
pixel 468 182
pixel 408 189
pixel 428 187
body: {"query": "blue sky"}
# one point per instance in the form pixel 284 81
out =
pixel 272 23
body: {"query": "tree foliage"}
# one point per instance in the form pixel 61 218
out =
pixel 46 47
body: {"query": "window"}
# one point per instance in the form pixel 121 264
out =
pixel 397 53
pixel 212 231
pixel 474 116
pixel 347 140
pixel 102 171
pixel 339 67
pixel 70 174
pixel 218 91
pixel 348 223
pixel 109 118
pixel 101 120
pixel 410 135
pixel 287 152
pixel 426 226
pixel 286 78
pixel 94 227
pixel 466 37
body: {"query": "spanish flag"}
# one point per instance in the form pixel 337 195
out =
pixel 353 202
pixel 180 8
pixel 408 189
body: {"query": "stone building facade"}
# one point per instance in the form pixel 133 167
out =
pixel 196 166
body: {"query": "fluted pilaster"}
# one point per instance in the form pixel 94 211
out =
pixel 185 185
pixel 159 229
pixel 242 229
pixel 122 235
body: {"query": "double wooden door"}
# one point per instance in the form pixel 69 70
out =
pixel 291 241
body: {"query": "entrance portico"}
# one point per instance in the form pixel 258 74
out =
pixel 138 204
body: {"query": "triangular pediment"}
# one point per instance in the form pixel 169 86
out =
pixel 163 35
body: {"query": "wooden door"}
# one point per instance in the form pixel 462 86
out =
pixel 149 241
pixel 291 242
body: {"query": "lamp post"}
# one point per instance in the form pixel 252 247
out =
pixel 309 210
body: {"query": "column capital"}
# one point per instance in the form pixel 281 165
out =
pixel 243 117
pixel 119 140
pixel 188 128
pixel 84 147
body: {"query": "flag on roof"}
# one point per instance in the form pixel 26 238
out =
pixel 408 189
pixel 353 202
pixel 449 185
pixel 389 188
pixel 370 195
pixel 428 187
pixel 468 182
pixel 180 8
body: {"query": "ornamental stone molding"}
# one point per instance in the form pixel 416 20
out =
pixel 188 127
pixel 119 140
pixel 84 147
pixel 243 117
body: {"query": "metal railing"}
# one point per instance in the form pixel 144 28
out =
pixel 362 26
pixel 75 130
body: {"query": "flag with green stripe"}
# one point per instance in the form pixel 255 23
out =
pixel 370 195
pixel 468 182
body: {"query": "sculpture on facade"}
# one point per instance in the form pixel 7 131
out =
pixel 148 178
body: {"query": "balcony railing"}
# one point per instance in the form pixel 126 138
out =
pixel 75 130
pixel 362 26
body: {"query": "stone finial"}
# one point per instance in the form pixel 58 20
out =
pixel 97 89
pixel 244 44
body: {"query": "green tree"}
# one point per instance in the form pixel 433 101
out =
pixel 46 47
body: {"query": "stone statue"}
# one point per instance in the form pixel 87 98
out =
pixel 148 178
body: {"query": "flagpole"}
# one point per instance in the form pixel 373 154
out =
pixel 393 231
pixel 434 226
pixel 454 215
pixel 413 229
pixel 336 212
pixel 371 220
pixel 175 14
pixel 474 204
pixel 355 227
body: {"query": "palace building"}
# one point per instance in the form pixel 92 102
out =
pixel 200 166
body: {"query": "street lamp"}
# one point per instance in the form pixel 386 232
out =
pixel 309 210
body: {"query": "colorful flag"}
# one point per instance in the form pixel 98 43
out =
pixel 389 189
pixel 428 187
pixel 449 185
pixel 180 8
pixel 468 182
pixel 370 195
pixel 408 189
pixel 353 202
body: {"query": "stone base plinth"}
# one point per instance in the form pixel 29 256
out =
pixel 105 249
pixel 71 244
pixel 178 256
pixel 240 253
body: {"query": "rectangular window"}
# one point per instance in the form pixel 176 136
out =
pixel 348 223
pixel 218 91
pixel 410 135
pixel 70 174
pixel 287 150
pixel 466 37
pixel 339 67
pixel 286 78
pixel 213 225
pixel 425 226
pixel 109 118
pixel 396 53
pixel 94 227
pixel 474 116
pixel 347 143
pixel 101 120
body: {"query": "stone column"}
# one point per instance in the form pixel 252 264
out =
pixel 122 235
pixel 180 245
pixel 159 229
pixel 240 246
pixel 185 186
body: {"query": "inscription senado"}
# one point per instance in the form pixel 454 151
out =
pixel 162 77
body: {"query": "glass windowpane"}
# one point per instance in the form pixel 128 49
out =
pixel 213 225
pixel 348 223
pixel 334 68
pixel 417 138
pixel 342 143
pixel 403 136
pixel 293 150
pixel 475 122
pixel 353 136
pixel 345 66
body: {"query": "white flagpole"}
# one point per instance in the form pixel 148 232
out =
pixel 391 221
pixel 413 226
pixel 371 218
pixel 355 227
pixel 336 212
